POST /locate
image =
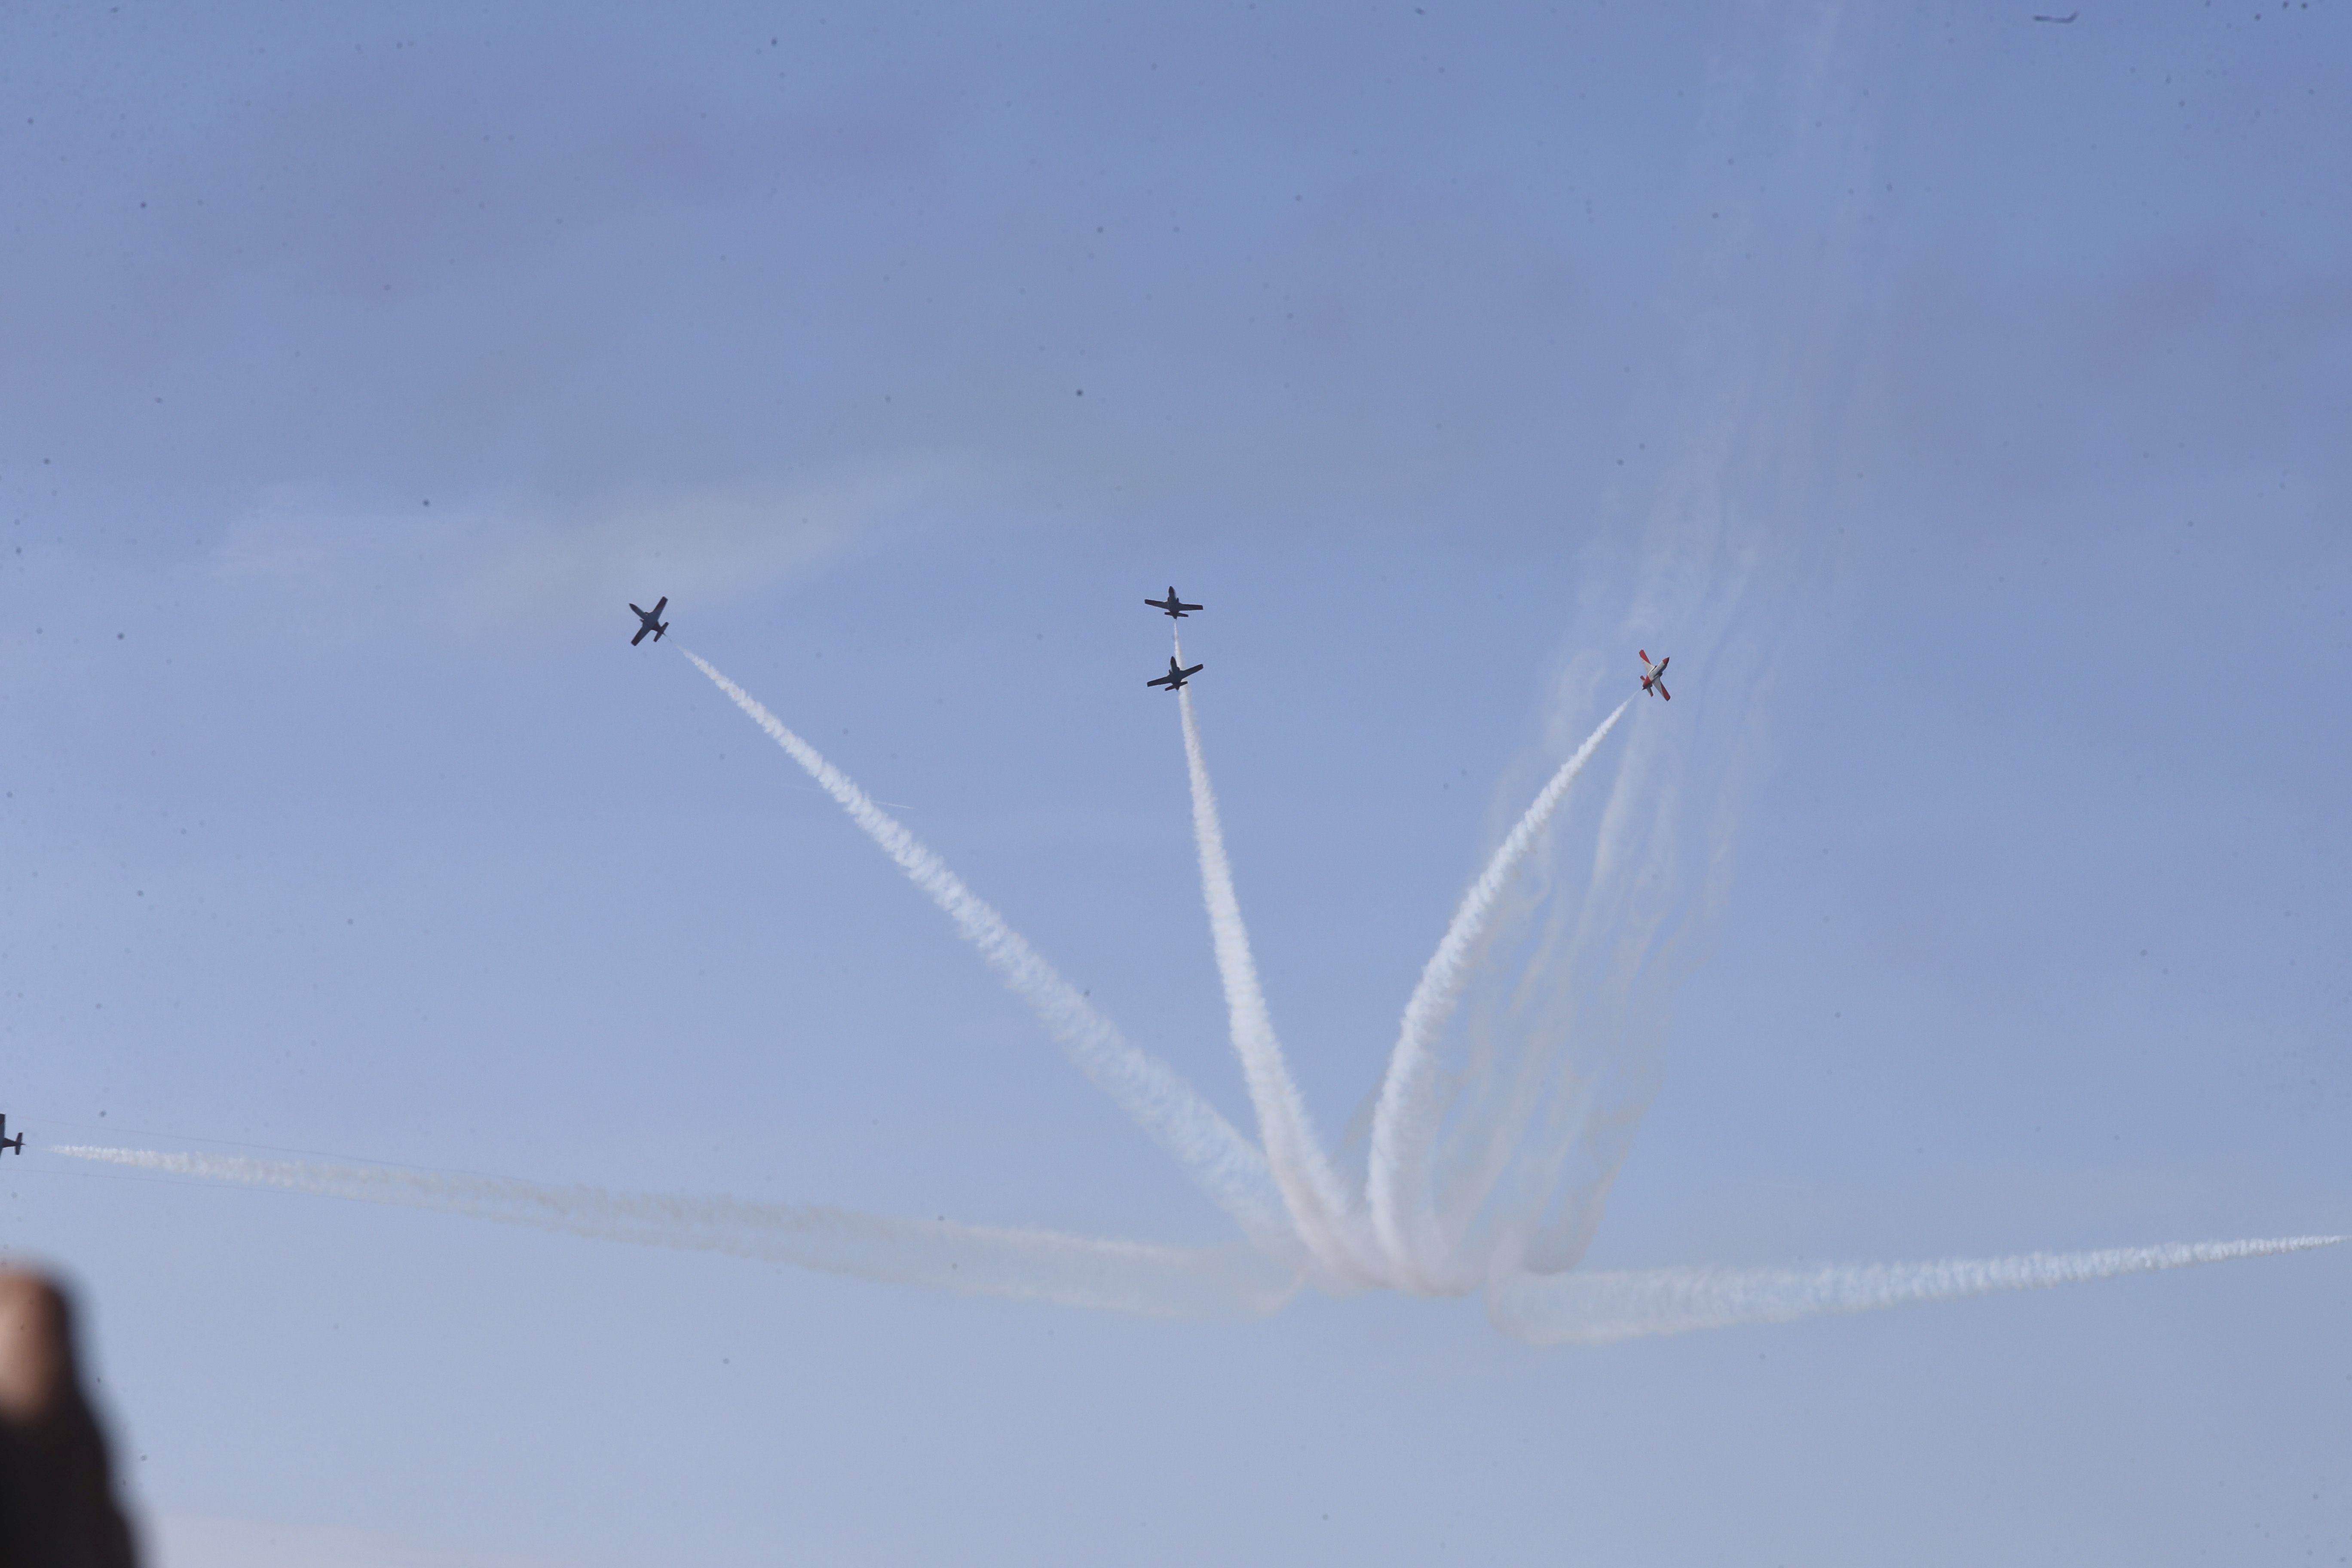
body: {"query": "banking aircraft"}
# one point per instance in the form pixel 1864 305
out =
pixel 1654 676
pixel 650 621
pixel 1171 607
pixel 1174 679
pixel 18 1142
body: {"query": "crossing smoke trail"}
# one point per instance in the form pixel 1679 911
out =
pixel 1318 1206
pixel 1025 1265
pixel 1223 1164
pixel 1405 1120
pixel 1554 1308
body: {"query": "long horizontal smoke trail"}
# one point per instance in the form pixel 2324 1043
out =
pixel 1554 1308
pixel 1216 1156
pixel 1405 1120
pixel 1025 1264
pixel 1318 1205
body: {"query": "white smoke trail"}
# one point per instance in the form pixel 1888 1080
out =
pixel 1318 1205
pixel 1223 1164
pixel 1552 1309
pixel 1025 1264
pixel 1405 1120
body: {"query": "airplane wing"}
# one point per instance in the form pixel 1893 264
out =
pixel 659 604
pixel 1663 692
pixel 640 636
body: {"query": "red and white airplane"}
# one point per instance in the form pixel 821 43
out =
pixel 1654 676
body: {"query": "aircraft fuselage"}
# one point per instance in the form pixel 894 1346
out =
pixel 1176 677
pixel 1654 676
pixel 1174 608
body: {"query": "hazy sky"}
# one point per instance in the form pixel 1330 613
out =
pixel 1961 399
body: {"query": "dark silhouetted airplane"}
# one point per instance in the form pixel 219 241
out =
pixel 1174 679
pixel 1171 607
pixel 650 621
pixel 18 1142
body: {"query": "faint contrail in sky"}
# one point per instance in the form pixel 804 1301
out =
pixel 1318 1205
pixel 1551 1309
pixel 1225 1165
pixel 1406 1119
pixel 1026 1265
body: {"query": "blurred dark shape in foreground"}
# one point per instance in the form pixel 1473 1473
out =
pixel 56 1491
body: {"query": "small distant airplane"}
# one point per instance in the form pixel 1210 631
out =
pixel 1654 676
pixel 2060 20
pixel 18 1142
pixel 1174 679
pixel 650 621
pixel 1171 607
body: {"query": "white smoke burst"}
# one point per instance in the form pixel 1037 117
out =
pixel 1392 1232
pixel 1299 1216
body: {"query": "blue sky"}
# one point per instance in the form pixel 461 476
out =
pixel 1960 398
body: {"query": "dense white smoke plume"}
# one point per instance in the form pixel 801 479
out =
pixel 1027 1265
pixel 1332 1227
pixel 1406 1120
